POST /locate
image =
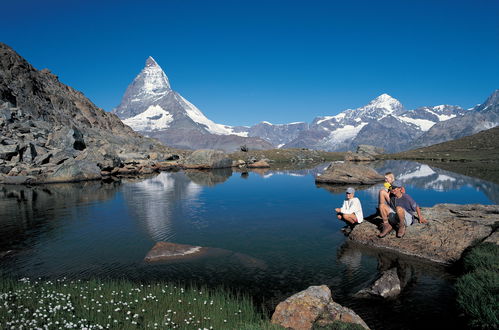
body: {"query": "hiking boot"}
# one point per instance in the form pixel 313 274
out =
pixel 401 232
pixel 387 228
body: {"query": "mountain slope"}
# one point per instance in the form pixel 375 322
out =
pixel 480 118
pixel 151 107
pixel 45 124
pixel 383 122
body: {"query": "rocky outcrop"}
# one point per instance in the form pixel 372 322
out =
pixel 349 173
pixel 53 133
pixel 450 230
pixel 313 307
pixel 207 159
pixel 369 150
pixel 364 153
pixel 387 286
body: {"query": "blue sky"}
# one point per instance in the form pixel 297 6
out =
pixel 242 62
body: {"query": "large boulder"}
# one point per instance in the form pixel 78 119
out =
pixel 311 307
pixel 349 173
pixel 369 150
pixel 387 286
pixel 74 170
pixel 207 158
pixel 450 230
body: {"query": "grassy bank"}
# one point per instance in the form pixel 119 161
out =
pixel 478 288
pixel 122 304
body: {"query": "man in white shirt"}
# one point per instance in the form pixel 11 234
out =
pixel 351 211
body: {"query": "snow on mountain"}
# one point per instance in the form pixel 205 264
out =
pixel 153 119
pixel 151 88
pixel 151 107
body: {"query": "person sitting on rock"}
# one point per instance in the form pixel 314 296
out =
pixel 384 193
pixel 400 212
pixel 351 211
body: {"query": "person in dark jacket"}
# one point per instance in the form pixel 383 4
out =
pixel 402 211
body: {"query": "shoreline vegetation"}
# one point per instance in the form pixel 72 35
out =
pixel 478 288
pixel 122 304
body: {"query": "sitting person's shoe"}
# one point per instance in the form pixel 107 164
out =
pixel 401 232
pixel 387 228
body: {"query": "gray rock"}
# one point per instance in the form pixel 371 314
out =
pixel 206 159
pixel 46 122
pixel 369 150
pixel 8 151
pixel 19 179
pixel 358 157
pixel 73 171
pixel 450 230
pixel 387 286
pixel 313 307
pixel 349 173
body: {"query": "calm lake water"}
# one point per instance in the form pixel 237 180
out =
pixel 277 226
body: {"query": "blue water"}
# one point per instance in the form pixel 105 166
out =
pixel 277 227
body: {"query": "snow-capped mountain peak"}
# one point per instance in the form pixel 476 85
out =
pixel 384 102
pixel 153 78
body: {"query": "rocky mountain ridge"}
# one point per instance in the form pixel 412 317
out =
pixel 152 108
pixel 51 132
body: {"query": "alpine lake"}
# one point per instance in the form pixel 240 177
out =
pixel 278 227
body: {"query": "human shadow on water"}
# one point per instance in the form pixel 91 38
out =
pixel 425 289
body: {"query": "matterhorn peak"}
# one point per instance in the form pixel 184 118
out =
pixel 151 62
pixel 153 77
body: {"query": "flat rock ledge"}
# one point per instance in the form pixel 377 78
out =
pixel 349 173
pixel 313 307
pixel 451 229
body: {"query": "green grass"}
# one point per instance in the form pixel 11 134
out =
pixel 123 305
pixel 478 289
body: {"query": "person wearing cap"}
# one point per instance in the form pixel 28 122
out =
pixel 351 211
pixel 400 212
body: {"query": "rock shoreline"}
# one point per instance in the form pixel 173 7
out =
pixel 451 229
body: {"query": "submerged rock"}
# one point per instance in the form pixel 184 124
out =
pixel 168 251
pixel 451 229
pixel 349 173
pixel 311 307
